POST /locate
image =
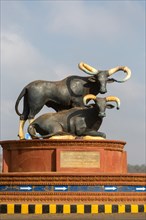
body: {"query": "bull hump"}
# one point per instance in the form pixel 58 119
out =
pixel 76 87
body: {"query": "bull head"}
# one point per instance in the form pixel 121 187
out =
pixel 102 103
pixel 102 76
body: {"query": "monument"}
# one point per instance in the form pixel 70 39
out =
pixel 67 165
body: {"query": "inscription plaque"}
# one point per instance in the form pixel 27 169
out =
pixel 79 159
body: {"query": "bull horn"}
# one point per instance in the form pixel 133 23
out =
pixel 113 99
pixel 118 68
pixel 88 98
pixel 87 69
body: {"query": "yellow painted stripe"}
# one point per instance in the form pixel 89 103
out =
pixel 80 209
pixel 108 208
pixel 38 209
pixel 24 208
pixel 52 208
pixel 66 209
pixel 10 208
pixel 121 209
pixel 134 208
pixel 145 208
pixel 94 209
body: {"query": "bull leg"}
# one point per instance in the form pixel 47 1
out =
pixel 21 129
pixel 101 134
pixel 94 133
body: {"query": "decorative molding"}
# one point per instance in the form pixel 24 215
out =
pixel 54 178
pixel 44 144
pixel 72 197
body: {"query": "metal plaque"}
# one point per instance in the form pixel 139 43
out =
pixel 80 159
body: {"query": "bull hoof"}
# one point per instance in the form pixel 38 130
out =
pixel 20 137
pixel 93 138
pixel 61 137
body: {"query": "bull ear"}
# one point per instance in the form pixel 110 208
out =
pixel 110 106
pixel 111 80
pixel 92 79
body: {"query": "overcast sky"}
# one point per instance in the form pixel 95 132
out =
pixel 47 39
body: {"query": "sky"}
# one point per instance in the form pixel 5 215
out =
pixel 42 39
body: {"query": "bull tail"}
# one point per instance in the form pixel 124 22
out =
pixel 23 92
pixel 32 131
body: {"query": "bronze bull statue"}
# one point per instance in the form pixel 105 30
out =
pixel 77 121
pixel 64 94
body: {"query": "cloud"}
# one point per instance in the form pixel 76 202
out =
pixel 19 57
pixel 21 60
pixel 107 21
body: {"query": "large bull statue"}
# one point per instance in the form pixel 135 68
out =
pixel 64 94
pixel 77 121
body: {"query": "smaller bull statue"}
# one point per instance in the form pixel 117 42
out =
pixel 77 121
pixel 64 94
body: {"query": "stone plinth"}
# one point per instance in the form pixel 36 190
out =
pixel 69 177
pixel 90 156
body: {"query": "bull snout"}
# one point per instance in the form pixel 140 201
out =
pixel 103 91
pixel 103 88
pixel 101 114
pixel 102 78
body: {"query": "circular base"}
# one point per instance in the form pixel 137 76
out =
pixel 55 155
